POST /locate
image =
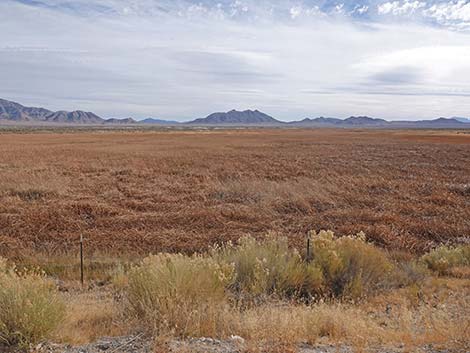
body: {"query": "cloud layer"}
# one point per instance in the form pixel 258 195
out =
pixel 182 59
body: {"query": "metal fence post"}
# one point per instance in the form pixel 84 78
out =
pixel 81 259
pixel 309 255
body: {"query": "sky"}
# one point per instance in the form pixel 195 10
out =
pixel 184 59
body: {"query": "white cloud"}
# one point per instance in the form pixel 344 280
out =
pixel 299 11
pixel 438 60
pixel 420 71
pixel 181 59
pixel 454 15
pixel 458 11
pixel 339 8
pixel 295 12
pixel 360 9
pixel 399 8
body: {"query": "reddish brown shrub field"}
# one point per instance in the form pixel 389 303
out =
pixel 149 191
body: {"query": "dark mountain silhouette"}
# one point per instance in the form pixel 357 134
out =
pixel 462 120
pixel 75 117
pixel 441 121
pixel 12 111
pixel 323 120
pixel 444 122
pixel 335 122
pixel 436 123
pixel 158 121
pixel 317 121
pixel 363 120
pixel 125 121
pixel 234 117
pixel 16 112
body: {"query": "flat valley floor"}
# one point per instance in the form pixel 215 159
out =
pixel 143 191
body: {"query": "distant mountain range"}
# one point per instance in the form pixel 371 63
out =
pixel 125 121
pixel 234 117
pixel 15 112
pixel 255 117
pixel 11 112
pixel 351 121
pixel 158 121
pixel 463 120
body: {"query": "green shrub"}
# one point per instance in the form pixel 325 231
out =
pixel 176 293
pixel 269 267
pixel 189 296
pixel 351 267
pixel 340 267
pixel 30 308
pixel 443 258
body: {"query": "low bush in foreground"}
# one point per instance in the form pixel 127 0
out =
pixel 350 266
pixel 444 258
pixel 267 293
pixel 260 288
pixel 177 293
pixel 30 308
pixel 195 295
pixel 269 267
pixel 340 267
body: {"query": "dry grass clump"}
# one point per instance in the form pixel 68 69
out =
pixel 97 267
pixel 32 184
pixel 91 315
pixel 30 308
pixel 206 295
pixel 179 294
pixel 445 258
pixel 299 196
pixel 437 314
pixel 289 324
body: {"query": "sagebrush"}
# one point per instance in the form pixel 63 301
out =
pixel 193 295
pixel 30 308
pixel 444 258
pixel 271 295
pixel 177 293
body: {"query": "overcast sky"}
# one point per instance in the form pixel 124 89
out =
pixel 183 59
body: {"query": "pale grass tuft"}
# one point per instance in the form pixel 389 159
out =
pixel 444 258
pixel 180 294
pixel 30 308
pixel 89 316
